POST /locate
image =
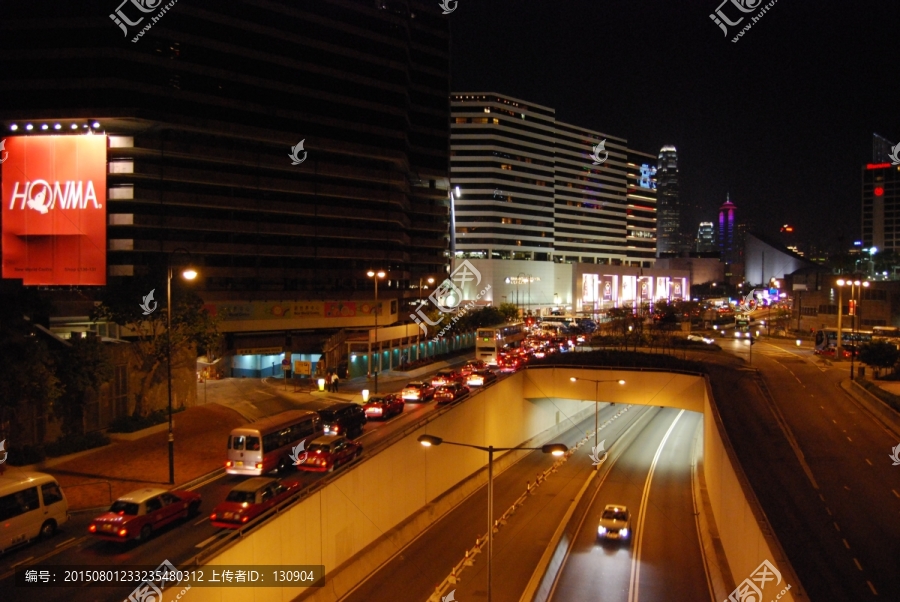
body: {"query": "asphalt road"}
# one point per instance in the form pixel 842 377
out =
pixel 833 496
pixel 662 559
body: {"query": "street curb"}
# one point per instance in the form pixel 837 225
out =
pixel 150 430
pixel 51 462
pixel 718 573
pixel 877 409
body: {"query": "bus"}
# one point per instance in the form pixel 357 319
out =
pixel 826 338
pixel 490 342
pixel 742 325
pixel 263 446
pixel 31 505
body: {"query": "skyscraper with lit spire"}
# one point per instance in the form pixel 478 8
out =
pixel 726 229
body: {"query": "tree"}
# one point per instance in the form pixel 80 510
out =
pixel 879 354
pixel 192 327
pixel 509 311
pixel 83 367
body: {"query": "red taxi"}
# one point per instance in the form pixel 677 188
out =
pixel 328 452
pixel 138 514
pixel 384 406
pixel 250 499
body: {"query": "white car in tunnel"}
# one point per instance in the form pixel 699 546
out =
pixel 615 523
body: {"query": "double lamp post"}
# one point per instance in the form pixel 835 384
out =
pixel 597 401
pixel 556 449
pixel 856 286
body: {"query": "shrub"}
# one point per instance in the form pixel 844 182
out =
pixel 75 443
pixel 25 455
pixel 132 424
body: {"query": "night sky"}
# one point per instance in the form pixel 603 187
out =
pixel 782 119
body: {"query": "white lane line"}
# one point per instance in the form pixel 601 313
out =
pixel 836 526
pixel 872 587
pixel 859 566
pixel 849 439
pixel 846 545
pixel 59 545
pixel 634 586
pixel 869 462
pixel 894 491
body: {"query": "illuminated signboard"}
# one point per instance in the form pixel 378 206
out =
pixel 54 210
pixel 647 173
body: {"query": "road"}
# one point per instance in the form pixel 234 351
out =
pixel 819 465
pixel 670 549
pixel 663 560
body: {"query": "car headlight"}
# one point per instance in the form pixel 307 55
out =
pixel 623 532
pixel 601 530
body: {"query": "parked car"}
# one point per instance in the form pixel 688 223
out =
pixel 615 523
pixel 472 366
pixel 480 378
pixel 417 391
pixel 343 419
pixel 326 453
pixel 446 377
pixel 138 514
pixel 249 499
pixel 450 393
pixel 384 406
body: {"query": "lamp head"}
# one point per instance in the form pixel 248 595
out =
pixel 840 282
pixel 573 379
pixel 189 273
pixel 429 440
pixel 621 382
pixel 556 449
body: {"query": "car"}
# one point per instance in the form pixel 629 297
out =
pixel 136 515
pixel 480 378
pixel 417 391
pixel 615 523
pixel 384 406
pixel 450 393
pixel 249 499
pixel 343 419
pixel 446 377
pixel 509 364
pixel 698 339
pixel 326 453
pixel 472 366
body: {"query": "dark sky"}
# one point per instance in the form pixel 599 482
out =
pixel 782 119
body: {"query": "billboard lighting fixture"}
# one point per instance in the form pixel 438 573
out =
pixel 74 126
pixel 45 127
pixel 95 125
pixel 57 127
pixel 29 127
pixel 14 127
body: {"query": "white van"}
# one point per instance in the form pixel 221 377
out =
pixel 31 505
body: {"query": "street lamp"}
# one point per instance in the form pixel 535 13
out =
pixel 518 282
pixel 375 276
pixel 854 302
pixel 453 222
pixel 429 280
pixel 597 400
pixel 556 449
pixel 189 273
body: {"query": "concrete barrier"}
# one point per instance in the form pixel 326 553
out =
pixel 370 511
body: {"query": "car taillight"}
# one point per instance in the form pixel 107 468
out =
pixel 123 532
pixel 229 464
pixel 259 465
pixel 92 528
pixel 212 516
pixel 244 519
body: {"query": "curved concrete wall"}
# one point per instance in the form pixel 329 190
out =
pixel 405 487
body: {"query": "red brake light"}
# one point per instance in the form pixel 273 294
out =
pixel 212 516
pixel 229 464
pixel 259 465
pixel 244 519
pixel 123 532
pixel 92 528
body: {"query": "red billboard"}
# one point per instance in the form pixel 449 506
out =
pixel 54 210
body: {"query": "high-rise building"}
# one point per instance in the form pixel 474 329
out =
pixel 706 238
pixel 881 199
pixel 534 188
pixel 726 231
pixel 203 112
pixel 670 234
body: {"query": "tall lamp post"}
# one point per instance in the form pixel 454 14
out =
pixel 854 302
pixel 429 280
pixel 557 449
pixel 188 274
pixel 375 276
pixel 597 400
pixel 838 350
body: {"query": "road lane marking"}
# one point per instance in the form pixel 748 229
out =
pixel 869 462
pixel 836 525
pixel 61 544
pixel 895 493
pixel 206 542
pixel 846 545
pixel 849 439
pixel 634 585
pixel 859 566
pixel 872 587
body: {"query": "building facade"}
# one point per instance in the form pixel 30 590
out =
pixel 706 238
pixel 670 233
pixel 536 189
pixel 726 230
pixel 881 207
